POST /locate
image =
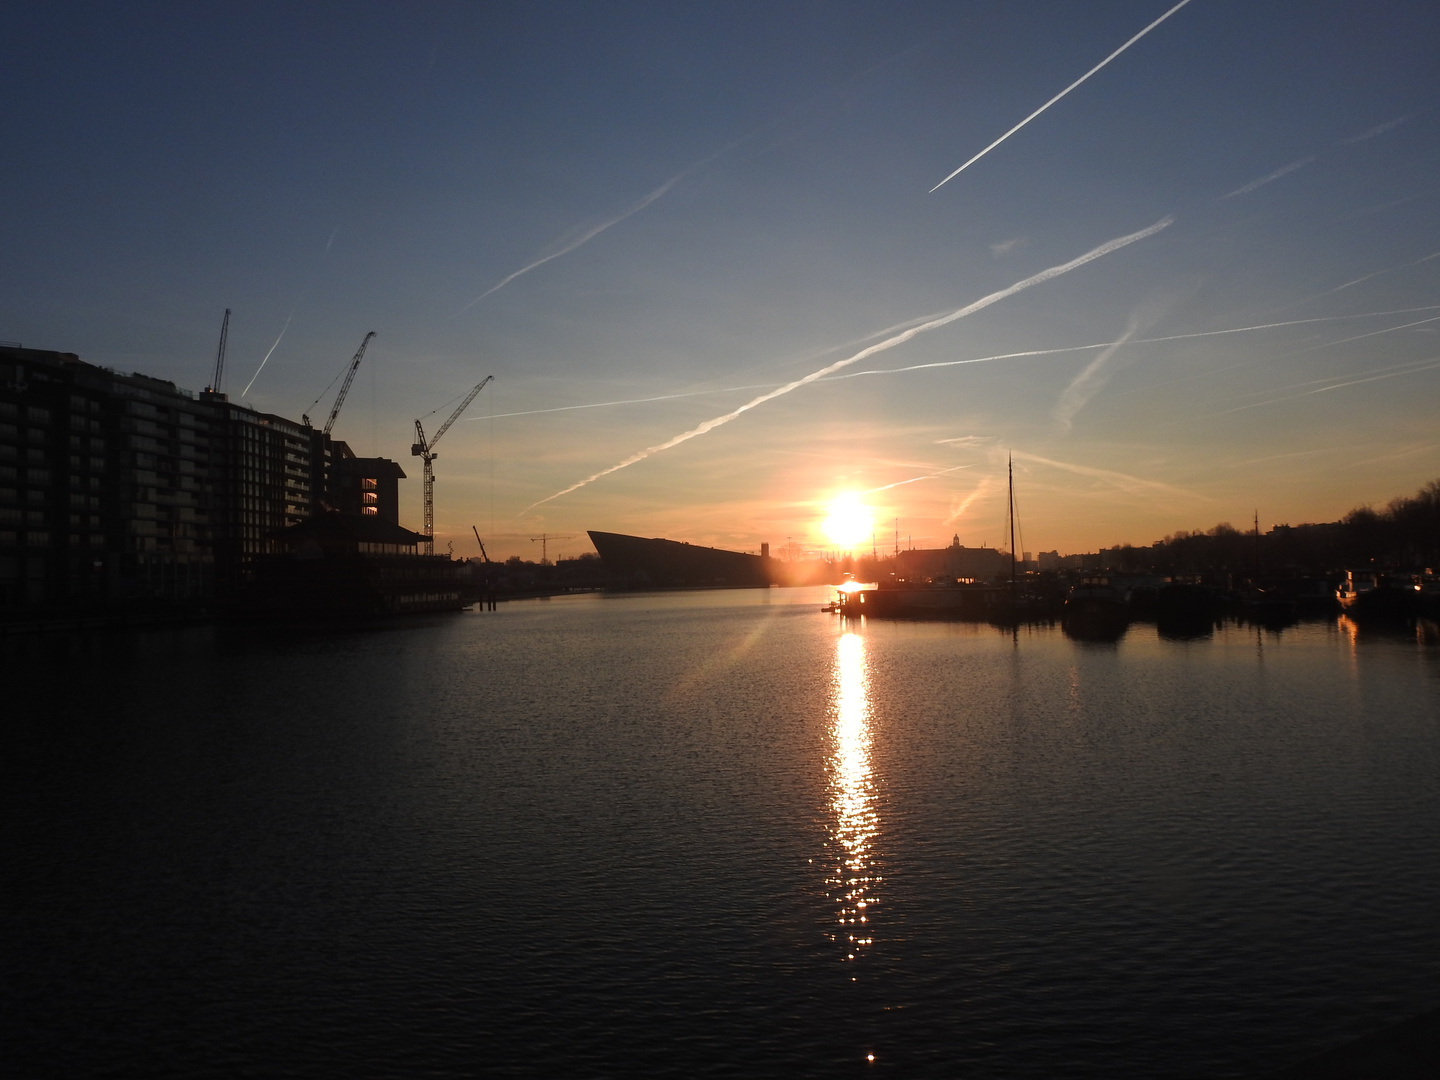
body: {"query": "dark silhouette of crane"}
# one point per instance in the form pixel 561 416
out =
pixel 424 451
pixel 220 355
pixel 349 378
pixel 544 541
pixel 344 387
pixel 483 553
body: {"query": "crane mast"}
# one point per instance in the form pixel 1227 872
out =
pixel 349 378
pixel 423 449
pixel 220 353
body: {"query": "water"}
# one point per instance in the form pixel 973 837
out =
pixel 713 834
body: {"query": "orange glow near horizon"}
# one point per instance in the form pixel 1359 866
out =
pixel 849 521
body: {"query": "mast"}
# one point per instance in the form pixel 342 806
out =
pixel 1011 515
pixel 1257 545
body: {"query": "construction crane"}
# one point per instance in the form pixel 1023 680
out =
pixel 349 378
pixel 424 450
pixel 340 397
pixel 544 541
pixel 483 553
pixel 220 354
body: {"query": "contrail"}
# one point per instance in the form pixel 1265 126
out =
pixel 1060 95
pixel 588 235
pixel 626 401
pixel 267 356
pixel 889 343
pixel 1412 370
pixel 916 479
pixel 663 188
pixel 981 488
pixel 1380 129
pixel 1088 383
pixel 1276 175
pixel 1121 480
pixel 955 363
pixel 1412 367
pixel 702 393
pixel 1139 341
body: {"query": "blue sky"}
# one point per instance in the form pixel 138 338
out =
pixel 751 186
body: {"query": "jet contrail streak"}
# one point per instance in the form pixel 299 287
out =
pixel 1276 175
pixel 981 488
pixel 701 393
pixel 1141 341
pixel 627 401
pixel 880 346
pixel 916 479
pixel 954 363
pixel 1380 129
pixel 589 235
pixel 1088 383
pixel 1119 479
pixel 1410 367
pixel 1060 95
pixel 1423 366
pixel 267 356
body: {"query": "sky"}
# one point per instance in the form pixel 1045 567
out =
pixel 1198 287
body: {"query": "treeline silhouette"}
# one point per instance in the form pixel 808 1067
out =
pixel 1405 535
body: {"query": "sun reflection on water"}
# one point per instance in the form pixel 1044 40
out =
pixel 852 880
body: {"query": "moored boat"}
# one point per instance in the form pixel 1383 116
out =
pixel 1096 609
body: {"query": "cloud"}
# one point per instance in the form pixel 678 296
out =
pixel 1004 247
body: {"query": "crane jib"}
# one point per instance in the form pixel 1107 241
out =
pixel 425 450
pixel 349 378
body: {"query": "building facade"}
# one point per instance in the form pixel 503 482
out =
pixel 118 489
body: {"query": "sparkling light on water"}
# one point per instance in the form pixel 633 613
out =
pixel 856 823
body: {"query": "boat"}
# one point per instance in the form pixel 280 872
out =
pixel 1371 594
pixel 1096 609
pixel 937 598
pixel 1184 610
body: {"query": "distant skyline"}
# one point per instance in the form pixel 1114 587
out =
pixel 1200 283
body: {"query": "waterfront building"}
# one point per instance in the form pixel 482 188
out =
pixel 118 489
pixel 368 487
pixel 337 564
pixel 642 562
pixel 955 561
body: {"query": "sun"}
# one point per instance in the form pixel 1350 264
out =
pixel 849 522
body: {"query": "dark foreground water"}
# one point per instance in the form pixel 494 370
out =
pixel 712 834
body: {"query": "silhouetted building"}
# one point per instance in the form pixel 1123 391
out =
pixel 335 564
pixel 117 487
pixel 367 486
pixel 104 484
pixel 955 561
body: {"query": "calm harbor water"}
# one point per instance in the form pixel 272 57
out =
pixel 713 834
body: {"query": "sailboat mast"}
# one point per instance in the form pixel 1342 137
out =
pixel 1011 515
